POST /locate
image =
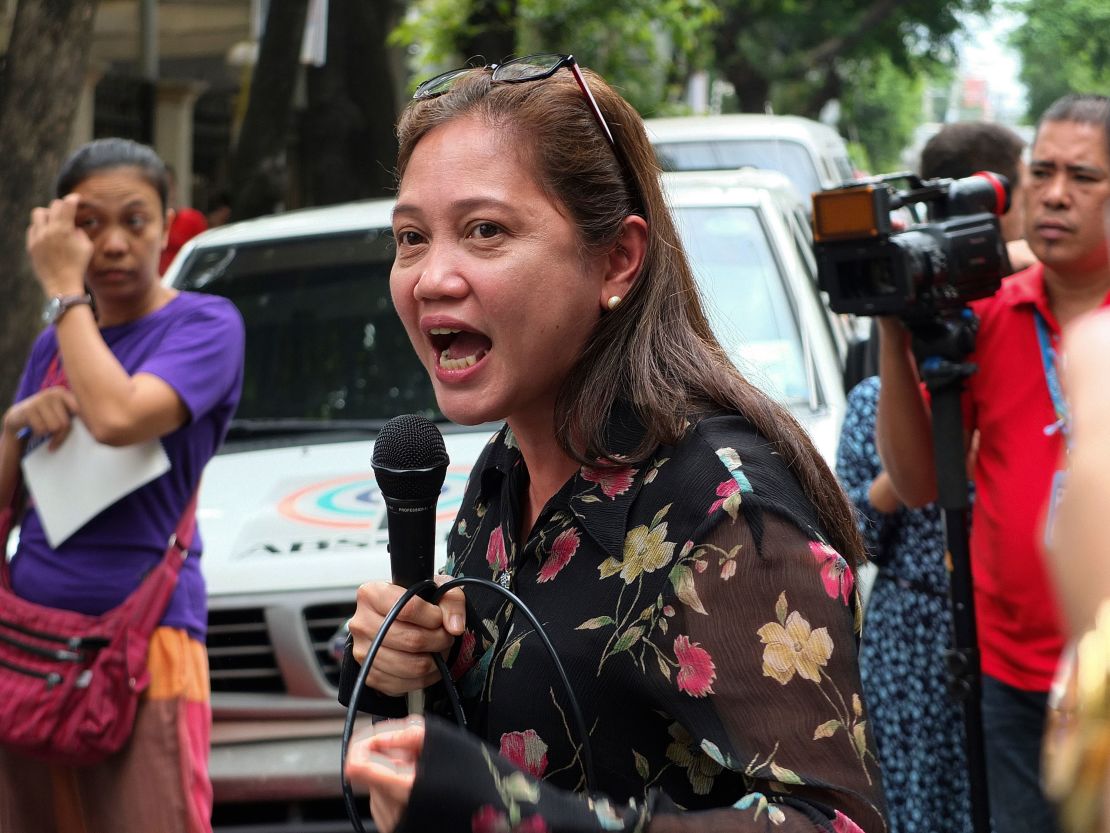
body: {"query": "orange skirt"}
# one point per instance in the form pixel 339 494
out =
pixel 157 782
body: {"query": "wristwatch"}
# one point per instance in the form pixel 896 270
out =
pixel 57 306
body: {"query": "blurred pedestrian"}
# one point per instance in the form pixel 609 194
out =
pixel 961 149
pixel 1013 402
pixel 1077 742
pixel 919 729
pixel 185 223
pixel 219 209
pixel 135 361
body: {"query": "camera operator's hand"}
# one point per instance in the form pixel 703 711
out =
pixel 903 426
pixel 60 251
pixel 404 662
pixel 46 413
pixel 1021 256
pixel 892 332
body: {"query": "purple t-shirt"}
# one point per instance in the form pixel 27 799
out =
pixel 195 344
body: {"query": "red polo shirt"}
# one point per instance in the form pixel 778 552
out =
pixel 1020 634
pixel 187 224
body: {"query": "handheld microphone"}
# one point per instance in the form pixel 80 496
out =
pixel 410 463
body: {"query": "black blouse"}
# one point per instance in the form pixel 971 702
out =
pixel 709 634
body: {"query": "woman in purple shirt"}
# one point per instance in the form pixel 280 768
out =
pixel 135 361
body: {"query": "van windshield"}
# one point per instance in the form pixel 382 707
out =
pixel 323 340
pixel 784 155
pixel 745 296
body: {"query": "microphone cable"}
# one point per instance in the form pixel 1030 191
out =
pixel 437 593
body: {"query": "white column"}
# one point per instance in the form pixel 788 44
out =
pixel 173 129
pixel 81 130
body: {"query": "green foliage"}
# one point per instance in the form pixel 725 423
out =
pixel 791 47
pixel 1062 49
pixel 645 48
pixel 881 111
pixel 795 55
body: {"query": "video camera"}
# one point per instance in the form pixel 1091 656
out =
pixel 868 267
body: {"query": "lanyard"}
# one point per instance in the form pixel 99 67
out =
pixel 1052 379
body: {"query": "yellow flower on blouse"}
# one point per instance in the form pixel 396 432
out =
pixel 794 647
pixel 646 550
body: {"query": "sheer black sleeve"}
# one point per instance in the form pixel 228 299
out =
pixel 767 708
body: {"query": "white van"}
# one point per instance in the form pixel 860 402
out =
pixel 291 516
pixel 813 155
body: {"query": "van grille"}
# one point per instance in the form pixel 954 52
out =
pixel 240 656
pixel 322 622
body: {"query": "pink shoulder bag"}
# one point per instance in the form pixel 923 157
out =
pixel 70 682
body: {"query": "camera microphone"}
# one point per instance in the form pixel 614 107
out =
pixel 410 463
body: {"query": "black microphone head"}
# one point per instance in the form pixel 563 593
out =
pixel 409 458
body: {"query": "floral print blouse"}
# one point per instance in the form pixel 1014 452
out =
pixel 709 634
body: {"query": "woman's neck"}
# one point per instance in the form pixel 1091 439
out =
pixel 549 467
pixel 110 314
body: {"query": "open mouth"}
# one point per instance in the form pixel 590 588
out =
pixel 458 349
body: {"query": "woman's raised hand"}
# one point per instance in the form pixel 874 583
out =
pixel 60 251
pixel 404 662
pixel 48 412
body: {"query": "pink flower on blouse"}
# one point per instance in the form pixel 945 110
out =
pixel 562 550
pixel 496 556
pixel 613 480
pixel 465 659
pixel 726 490
pixel 696 671
pixel 489 819
pixel 527 750
pixel 843 824
pixel 536 824
pixel 835 573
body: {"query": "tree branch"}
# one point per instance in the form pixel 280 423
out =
pixel 871 17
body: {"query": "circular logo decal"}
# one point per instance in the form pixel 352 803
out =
pixel 355 502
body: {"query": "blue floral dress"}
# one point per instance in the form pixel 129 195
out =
pixel 708 631
pixel 919 728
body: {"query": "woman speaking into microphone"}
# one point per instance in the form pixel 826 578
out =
pixel 681 542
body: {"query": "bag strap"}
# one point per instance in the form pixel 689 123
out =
pixel 53 376
pixel 146 605
pixel 7 521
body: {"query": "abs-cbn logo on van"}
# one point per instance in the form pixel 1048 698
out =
pixel 355 501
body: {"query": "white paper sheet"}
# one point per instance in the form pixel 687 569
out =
pixel 81 478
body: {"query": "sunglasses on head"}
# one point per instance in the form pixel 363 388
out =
pixel 516 71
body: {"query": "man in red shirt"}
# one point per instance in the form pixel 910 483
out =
pixel 1021 434
pixel 186 224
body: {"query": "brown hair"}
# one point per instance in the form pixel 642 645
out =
pixel 108 154
pixel 964 148
pixel 656 350
pixel 1083 108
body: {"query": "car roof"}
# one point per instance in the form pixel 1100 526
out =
pixel 686 187
pixel 744 186
pixel 741 126
pixel 302 222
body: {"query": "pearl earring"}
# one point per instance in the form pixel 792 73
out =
pixel 614 301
